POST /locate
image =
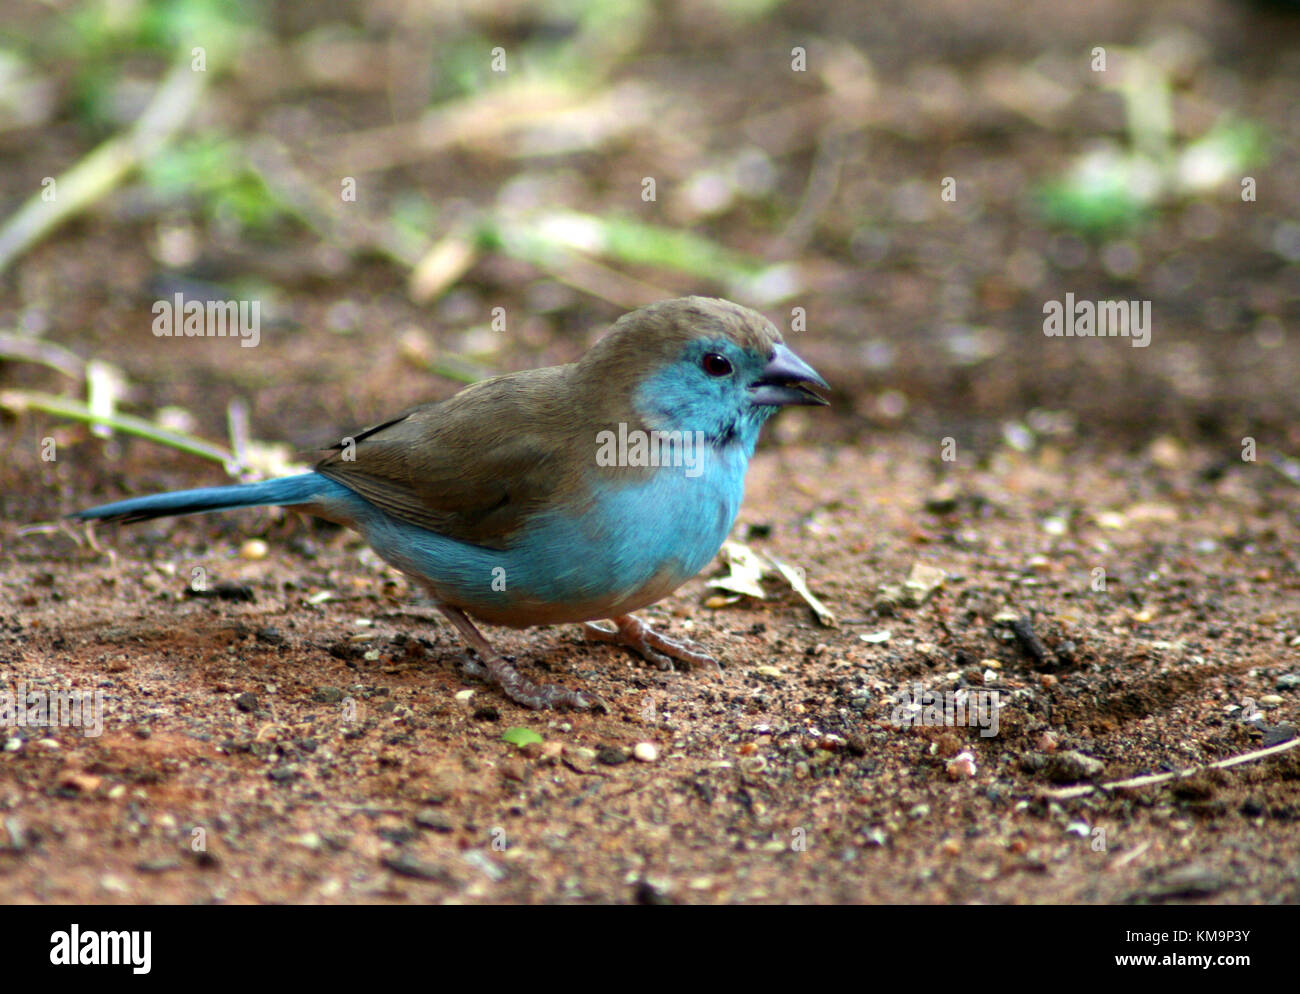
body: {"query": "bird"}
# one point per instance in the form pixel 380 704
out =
pixel 560 495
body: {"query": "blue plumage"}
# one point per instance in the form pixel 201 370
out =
pixel 566 494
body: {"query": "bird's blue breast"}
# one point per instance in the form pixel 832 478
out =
pixel 630 544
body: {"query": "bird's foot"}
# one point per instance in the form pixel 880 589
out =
pixel 650 645
pixel 496 669
pixel 537 696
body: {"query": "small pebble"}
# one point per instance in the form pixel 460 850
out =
pixel 83 782
pixel 254 549
pixel 434 820
pixel 645 752
pixel 611 755
pixel 962 766
pixel 1071 766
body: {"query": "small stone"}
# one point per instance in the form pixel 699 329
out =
pixel 962 766
pixel 246 702
pixel 253 549
pixel 1288 681
pixel 1187 881
pixel 580 758
pixel 514 769
pixel 327 695
pixel 463 696
pixel 876 638
pixel 14 837
pixel 434 820
pixel 406 864
pixel 1167 452
pixel 922 581
pixel 645 752
pixel 943 499
pixel 82 782
pixel 611 755
pixel 1270 700
pixel 1071 766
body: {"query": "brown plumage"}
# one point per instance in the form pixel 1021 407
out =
pixel 528 435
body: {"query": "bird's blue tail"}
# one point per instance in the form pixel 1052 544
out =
pixel 287 490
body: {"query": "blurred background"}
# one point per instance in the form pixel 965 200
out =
pixel 422 194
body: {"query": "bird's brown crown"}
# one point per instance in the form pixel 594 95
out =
pixel 660 332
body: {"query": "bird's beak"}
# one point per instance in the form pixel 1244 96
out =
pixel 783 381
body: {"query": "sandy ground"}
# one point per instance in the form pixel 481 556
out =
pixel 268 744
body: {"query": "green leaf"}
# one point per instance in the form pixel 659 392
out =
pixel 521 736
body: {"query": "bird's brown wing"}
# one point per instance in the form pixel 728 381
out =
pixel 472 467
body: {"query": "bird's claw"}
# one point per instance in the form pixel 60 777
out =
pixel 650 645
pixel 522 690
pixel 496 669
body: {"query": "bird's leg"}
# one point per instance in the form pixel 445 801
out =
pixel 637 635
pixel 516 686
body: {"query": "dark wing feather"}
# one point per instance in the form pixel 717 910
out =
pixel 472 467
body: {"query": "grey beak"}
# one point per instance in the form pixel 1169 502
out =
pixel 783 379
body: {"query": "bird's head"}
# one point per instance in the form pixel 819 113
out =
pixel 702 364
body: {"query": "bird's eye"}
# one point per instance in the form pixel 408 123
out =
pixel 716 365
